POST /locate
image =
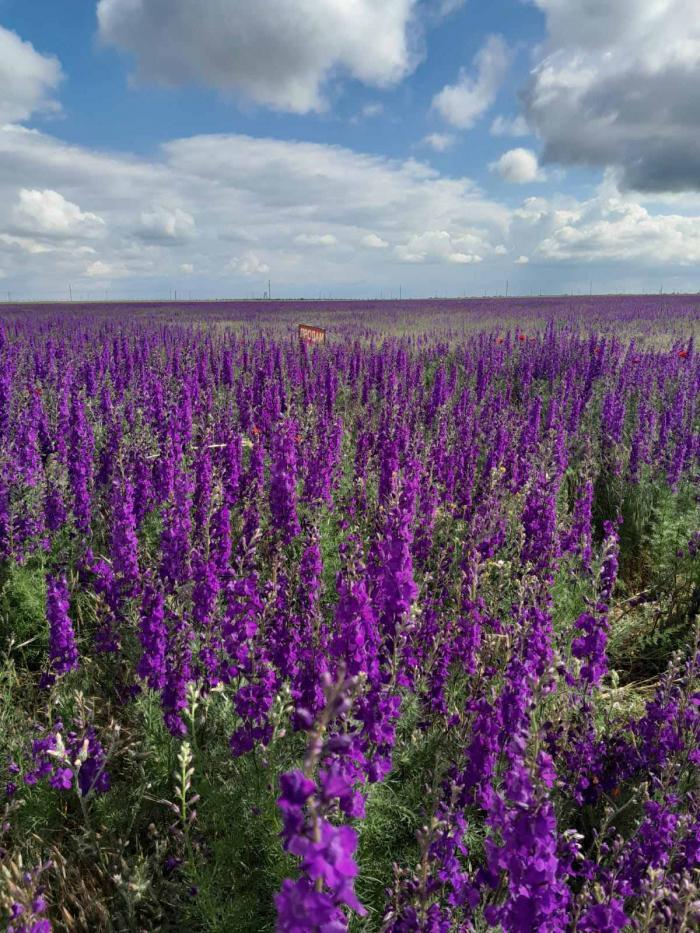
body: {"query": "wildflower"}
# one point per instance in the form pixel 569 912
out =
pixel 63 651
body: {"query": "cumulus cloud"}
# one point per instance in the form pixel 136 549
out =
pixel 249 265
pixel 441 246
pixel 159 223
pixel 278 53
pixel 315 239
pixel 462 259
pixel 462 104
pixel 610 231
pixel 440 142
pixel 99 270
pixel 616 86
pixel 372 241
pixel 522 261
pixel 252 197
pixel 619 230
pixel 23 244
pixel 259 194
pixel 510 126
pixel 48 212
pixel 518 166
pixel 27 79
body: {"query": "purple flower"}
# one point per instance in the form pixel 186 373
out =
pixel 283 478
pixel 63 651
pixel 604 918
pixel 303 909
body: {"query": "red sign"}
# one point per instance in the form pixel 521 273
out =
pixel 312 334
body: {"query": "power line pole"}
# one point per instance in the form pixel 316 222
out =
pixel 70 292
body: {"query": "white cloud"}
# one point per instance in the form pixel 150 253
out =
pixel 27 79
pixel 617 229
pixel 253 197
pixel 26 244
pixel 294 183
pixel 278 53
pixel 99 270
pixel 372 241
pixel 616 86
pixel 441 246
pixel 518 166
pixel 249 265
pixel 522 261
pixel 462 259
pixel 315 239
pixel 450 6
pixel 48 212
pixel 159 223
pixel 259 194
pixel 462 104
pixel 510 126
pixel 440 142
pixel 374 109
pixel 187 268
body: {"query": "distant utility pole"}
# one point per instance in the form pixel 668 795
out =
pixel 399 293
pixel 269 290
pixel 507 284
pixel 70 292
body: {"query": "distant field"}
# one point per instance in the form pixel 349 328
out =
pixel 396 631
pixel 648 316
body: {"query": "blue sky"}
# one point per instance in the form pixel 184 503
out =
pixel 347 149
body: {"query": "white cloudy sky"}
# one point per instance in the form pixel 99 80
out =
pixel 348 147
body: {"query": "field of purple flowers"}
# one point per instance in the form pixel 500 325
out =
pixel 398 632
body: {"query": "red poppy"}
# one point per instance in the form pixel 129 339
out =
pixel 522 337
pixel 682 354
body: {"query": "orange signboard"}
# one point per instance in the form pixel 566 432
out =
pixel 312 334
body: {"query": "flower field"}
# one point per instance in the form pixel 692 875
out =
pixel 397 631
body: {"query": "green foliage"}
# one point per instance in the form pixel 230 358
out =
pixel 661 582
pixel 23 629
